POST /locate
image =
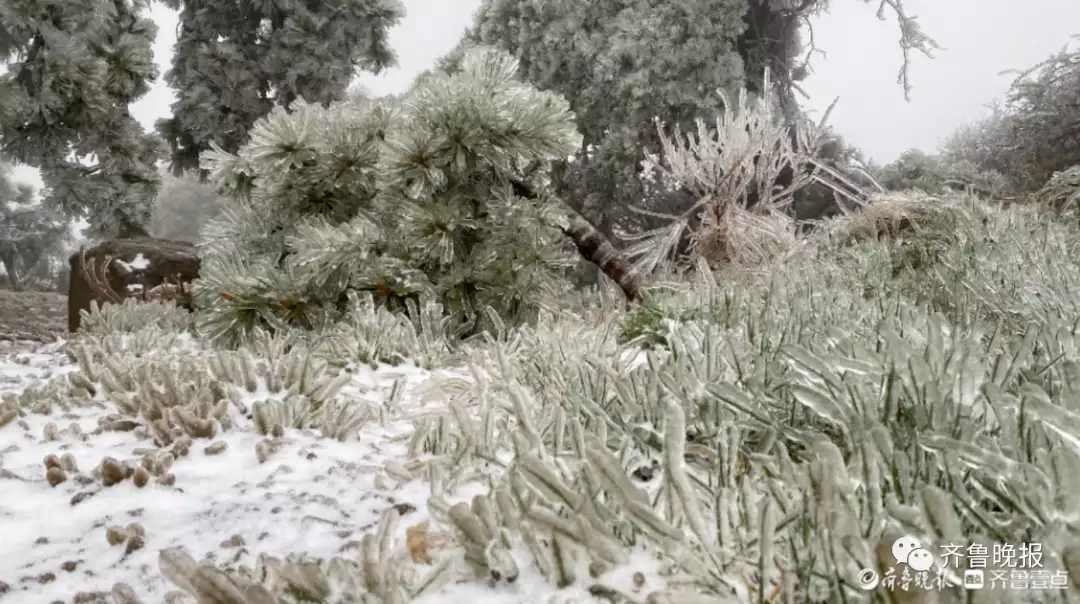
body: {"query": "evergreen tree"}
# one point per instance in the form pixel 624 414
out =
pixel 74 67
pixel 430 196
pixel 235 61
pixel 935 174
pixel 622 64
pixel 1035 132
pixel 32 236
pixel 183 206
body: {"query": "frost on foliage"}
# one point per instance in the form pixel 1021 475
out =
pixel 378 576
pixel 371 334
pixel 134 315
pixel 751 458
pixel 198 395
pixel 725 165
pixel 567 501
pixel 403 199
pixel 1062 191
pixel 776 442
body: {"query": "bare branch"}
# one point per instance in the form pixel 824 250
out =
pixel 911 38
pixel 97 278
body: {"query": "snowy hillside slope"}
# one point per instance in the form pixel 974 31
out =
pixel 313 494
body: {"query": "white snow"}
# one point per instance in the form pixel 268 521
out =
pixel 315 495
pixel 138 263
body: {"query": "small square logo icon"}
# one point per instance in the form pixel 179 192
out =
pixel 974 578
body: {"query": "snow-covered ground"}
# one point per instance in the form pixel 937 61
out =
pixel 314 494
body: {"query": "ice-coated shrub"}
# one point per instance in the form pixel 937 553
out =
pixel 405 199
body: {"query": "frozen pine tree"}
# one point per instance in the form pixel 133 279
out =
pixel 235 61
pixel 401 199
pixel 620 65
pixel 623 63
pixel 73 68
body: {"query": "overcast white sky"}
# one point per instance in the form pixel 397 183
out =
pixel 981 39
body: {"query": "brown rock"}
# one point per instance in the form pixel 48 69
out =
pixel 112 472
pixel 235 541
pixel 116 535
pixel 55 476
pixel 134 544
pixel 216 448
pixel 99 273
pixel 141 477
pixel 81 497
pixel 404 508
pixel 52 461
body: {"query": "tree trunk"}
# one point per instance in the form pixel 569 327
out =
pixel 11 266
pixel 100 279
pixel 128 228
pixel 593 246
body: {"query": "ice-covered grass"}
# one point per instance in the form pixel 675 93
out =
pixel 757 433
pixel 314 495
